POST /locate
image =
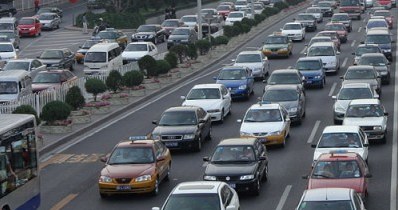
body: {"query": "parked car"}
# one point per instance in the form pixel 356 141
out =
pixel 182 35
pixel 342 18
pixel 329 54
pixel 45 80
pixel 29 26
pixel 113 35
pixel 33 66
pixel 58 58
pixel 81 52
pixel 136 50
pixel 255 60
pixel 363 49
pixel 49 21
pixel 380 63
pixel 238 80
pixel 312 70
pixel 150 33
pixel 295 31
pixel 10 36
pixel 363 74
pixel 277 45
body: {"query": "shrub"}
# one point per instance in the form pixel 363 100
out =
pixel 269 11
pixel 192 51
pixel 203 46
pixel 259 18
pixel 95 86
pixel 27 109
pixel 180 50
pixel 147 64
pixel 75 98
pixel 162 67
pixel 245 28
pixel 248 21
pixel 172 59
pixel 55 110
pixel 238 24
pixel 281 5
pixel 115 19
pixel 221 40
pixel 229 31
pixel 114 80
pixel 132 79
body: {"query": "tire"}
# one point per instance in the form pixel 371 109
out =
pixel 156 190
pixel 198 146
pixel 265 174
pixel 336 122
pixel 58 26
pixel 322 85
pixel 257 188
pixel 104 196
pixel 222 117
pixel 167 177
pixel 71 67
pixel 209 135
pixel 384 139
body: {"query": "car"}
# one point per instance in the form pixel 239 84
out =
pixel 369 3
pixel 380 63
pixel 312 70
pixel 249 13
pixel 49 21
pixel 29 26
pixel 332 198
pixel 203 195
pixel 113 35
pixel 182 35
pixel 238 80
pixel 277 45
pixel 215 99
pixel 240 162
pixel 377 23
pixel 51 10
pixel 342 18
pixel 382 39
pixel 349 138
pixel 191 20
pixel 45 80
pixel 235 16
pixel 81 52
pixel 326 8
pixel 370 115
pixel 33 66
pixel 255 60
pixel 316 12
pixel 170 24
pixel 150 33
pixel 352 7
pixel 363 74
pixel 307 20
pixel 136 165
pixel 334 36
pixel 136 50
pixel 7 10
pixel 291 97
pixel 269 123
pixel 340 169
pixel 10 36
pixel 387 4
pixel 224 10
pixel 329 54
pixel 286 77
pixel 387 15
pixel 7 52
pixel 295 31
pixel 183 127
pixel 340 29
pixel 347 93
pixel 241 3
pixel 62 58
pixel 373 9
pixel 258 8
pixel 316 39
pixel 363 49
pixel 213 12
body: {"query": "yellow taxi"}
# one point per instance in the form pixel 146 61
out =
pixel 277 45
pixel 137 165
pixel 113 35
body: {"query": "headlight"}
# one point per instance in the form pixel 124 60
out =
pixel 387 50
pixel 274 133
pixel 377 128
pixel 294 109
pixel 213 110
pixel 318 77
pixel 155 136
pixel 242 87
pixel 210 178
pixel 133 36
pixel 189 136
pixel 247 177
pixel 245 134
pixel 339 109
pixel 143 178
pixel 105 179
pixel 151 36
pixel 32 28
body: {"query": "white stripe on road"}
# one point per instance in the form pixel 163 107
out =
pixel 353 43
pixel 303 51
pixel 344 62
pixel 332 89
pixel 284 196
pixel 40 47
pixel 313 132
pixel 253 48
pixel 393 191
pixel 359 29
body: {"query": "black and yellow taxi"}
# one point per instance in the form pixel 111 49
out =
pixel 113 35
pixel 277 45
pixel 137 165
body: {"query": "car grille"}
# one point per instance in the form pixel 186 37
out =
pixel 291 34
pixel 274 50
pixel 367 128
pixel 309 78
pixel 259 134
pixel 123 180
pixel 172 137
pixel 141 36
pixel 228 178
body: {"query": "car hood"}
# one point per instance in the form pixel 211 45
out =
pixel 384 46
pixel 205 104
pixel 275 46
pixel 319 151
pixel 287 104
pixel 327 59
pixel 50 61
pixel 172 130
pixel 381 68
pixel 230 169
pixel 25 26
pixel 249 65
pixel 145 33
pixel 232 83
pixel 311 73
pixel 354 183
pixel 261 127
pixel 363 121
pixel 285 32
pixel 178 37
pixel 8 97
pixel 45 21
pixel 132 54
pixel 315 14
pixel 372 82
pixel 127 170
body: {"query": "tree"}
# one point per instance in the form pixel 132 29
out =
pixel 132 79
pixel 147 65
pixel 180 50
pixel 114 80
pixel 95 86
pixel 162 67
pixel 172 59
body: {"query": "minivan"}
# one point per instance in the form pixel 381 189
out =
pixel 14 85
pixel 9 23
pixel 102 58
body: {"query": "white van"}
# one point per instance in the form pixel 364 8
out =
pixel 9 23
pixel 102 58
pixel 14 85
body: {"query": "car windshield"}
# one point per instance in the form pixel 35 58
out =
pixel 107 35
pixel 340 18
pixel 235 74
pixel 382 13
pixel 223 7
pixel 313 10
pixel 170 23
pixel 292 27
pixel 131 155
pixel 207 11
pixel 280 95
pixel 6 26
pixel 233 154
pixel 176 118
pixel 369 49
pixel 345 3
pixel 95 57
pixel 365 110
pixel 332 35
pixel 44 10
pixel 373 24
pixel 136 47
pixel 354 93
pixel 263 115
pixel 248 58
pixel 321 51
pixel 373 61
pixel 188 19
pixel 336 140
pixel 378 39
pixel 27 21
pixel 235 15
pixel 17 66
pixel 326 205
pixel 204 93
pixel 284 79
pixel 334 27
pixel 6 48
pixel 200 201
pixel 305 17
pixel 46 17
pixel 51 54
pixel 324 4
pixel 89 43
pixel 47 78
pixel 146 28
pixel 360 74
pixel 309 65
pixel 336 170
pixel 276 40
pixel 8 87
pixel 180 31
pixel 326 39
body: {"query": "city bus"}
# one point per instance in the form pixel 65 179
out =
pixel 19 171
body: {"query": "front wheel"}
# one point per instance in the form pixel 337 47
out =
pixel 156 190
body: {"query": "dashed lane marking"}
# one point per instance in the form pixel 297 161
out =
pixel 332 89
pixel 313 132
pixel 284 196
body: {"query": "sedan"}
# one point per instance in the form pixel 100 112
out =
pixel 150 33
pixel 295 31
pixel 307 20
pixel 340 29
pixel 45 80
pixel 387 15
pixel 286 77
pixel 10 36
pixel 342 18
pixel 112 35
pixel 363 74
pixel 363 49
pixel 224 10
pixel 312 70
pixel 255 60
pixel 33 66
pixel 234 17
pixel 50 9
pixel 238 80
pixel 58 58
pixel 182 35
pixel 333 35
pixel 380 63
pixel 316 12
pixel 170 24
pixel 136 50
pixel 49 21
pixel 29 26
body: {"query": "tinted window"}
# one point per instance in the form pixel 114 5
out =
pixel 354 93
pixel 175 118
pixel 366 110
pixel 233 154
pixel 280 95
pixel 331 140
pixel 131 155
pixel 95 57
pixel 204 93
pixel 263 115
pixel 8 87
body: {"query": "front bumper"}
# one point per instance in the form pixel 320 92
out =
pixel 215 116
pixel 375 135
pixel 311 81
pixel 276 53
pixel 239 93
pixel 268 140
pixel 296 37
pixel 180 144
pixel 130 188
pixel 330 68
pixel 27 33
pixel 338 116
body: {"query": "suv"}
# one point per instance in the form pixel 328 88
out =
pixel 352 7
pixel 58 58
pixel 312 70
pixel 150 33
pixel 255 60
pixel 382 38
pixel 277 45
pixel 329 54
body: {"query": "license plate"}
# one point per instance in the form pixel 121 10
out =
pixel 233 185
pixel 309 81
pixel 171 144
pixel 123 187
pixel 274 53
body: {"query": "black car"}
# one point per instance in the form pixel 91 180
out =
pixel 50 10
pixel 58 58
pixel 240 162
pixel 184 127
pixel 151 33
pixel 7 9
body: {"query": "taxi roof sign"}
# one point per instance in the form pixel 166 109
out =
pixel 135 138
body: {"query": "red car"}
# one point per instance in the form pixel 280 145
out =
pixel 224 10
pixel 51 79
pixel 29 26
pixel 387 15
pixel 340 29
pixel 342 170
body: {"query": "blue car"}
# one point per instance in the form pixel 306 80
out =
pixel 312 69
pixel 239 81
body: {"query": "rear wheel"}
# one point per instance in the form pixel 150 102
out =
pixel 257 188
pixel 198 145
pixel 222 116
pixel 265 174
pixel 208 137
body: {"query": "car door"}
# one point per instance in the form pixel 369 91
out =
pixel 250 78
pixel 37 25
pixel 69 57
pixel 365 141
pixel 152 49
pixel 259 149
pixel 301 101
pixel 226 99
pixel 206 126
pixel 286 120
pixel 160 164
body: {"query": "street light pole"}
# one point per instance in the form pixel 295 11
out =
pixel 199 20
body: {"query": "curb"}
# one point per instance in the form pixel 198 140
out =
pixel 116 113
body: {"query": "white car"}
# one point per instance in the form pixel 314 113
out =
pixel 342 138
pixel 241 3
pixel 236 16
pixel 214 98
pixel 136 50
pixel 377 23
pixel 203 195
pixel 316 12
pixel 191 20
pixel 370 115
pixel 329 54
pixel 254 60
pixel 7 52
pixel 295 31
pixel 33 66
pixel 344 198
pixel 270 123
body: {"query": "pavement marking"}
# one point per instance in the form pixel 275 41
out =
pixel 332 89
pixel 253 48
pixel 344 62
pixel 64 201
pixel 39 47
pixel 70 158
pixel 394 162
pixel 313 132
pixel 304 49
pixel 228 64
pixel 353 43
pixel 360 28
pixel 284 197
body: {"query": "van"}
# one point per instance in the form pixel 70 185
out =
pixel 102 58
pixel 14 85
pixel 9 23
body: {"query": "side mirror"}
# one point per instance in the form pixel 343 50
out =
pixel 104 159
pixel 202 121
pixel 239 120
pixel 262 158
pixel 155 122
pixel 385 113
pixel 334 97
pixel 206 159
pixel 338 53
pixel 305 53
pixel 215 78
pixel 161 158
pixel 368 175
pixel 182 97
pixel 304 177
pixel 365 145
pixel 313 145
pixel 341 77
pixel 233 60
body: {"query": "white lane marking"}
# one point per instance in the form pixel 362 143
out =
pixel 332 89
pixel 313 132
pixel 40 47
pixel 255 48
pixel 353 43
pixel 284 197
pixel 360 28
pixel 393 191
pixel 304 49
pixel 344 62
pixel 289 67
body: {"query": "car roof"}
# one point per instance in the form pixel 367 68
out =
pixel 327 194
pixel 210 85
pixel 265 106
pixel 250 52
pixel 285 71
pixel 367 45
pixel 372 101
pixel 310 58
pixel 360 67
pixel 132 43
pixel 238 141
pixel 334 23
pixel 291 23
pixel 340 13
pixel 341 129
pixel 48 13
pixel 21 60
pixel 322 44
pixel 282 87
pixel 322 37
pixel 53 71
pixel 197 187
pixel 355 85
pixel 136 143
pixel 182 108
pixel 151 25
pixel 227 68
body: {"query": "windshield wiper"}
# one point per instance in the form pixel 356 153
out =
pixel 322 175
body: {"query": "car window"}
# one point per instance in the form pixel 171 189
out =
pixel 36 63
pixel 226 195
pixel 357 201
pixel 201 113
pixel 224 90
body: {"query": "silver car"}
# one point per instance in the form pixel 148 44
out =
pixel 10 36
pixel 365 48
pixel 49 21
pixel 254 60
pixel 286 77
pixel 380 63
pixel 342 18
pixel 316 12
pixel 363 74
pixel 33 66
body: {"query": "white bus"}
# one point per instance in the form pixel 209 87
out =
pixel 19 171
